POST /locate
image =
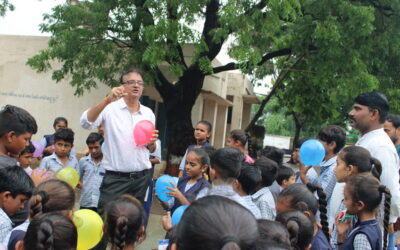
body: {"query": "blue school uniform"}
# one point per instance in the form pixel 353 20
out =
pixel 320 242
pixel 371 230
pixel 191 193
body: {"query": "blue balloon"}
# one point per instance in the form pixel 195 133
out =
pixel 312 152
pixel 161 187
pixel 177 215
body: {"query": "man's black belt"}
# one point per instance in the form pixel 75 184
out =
pixel 132 175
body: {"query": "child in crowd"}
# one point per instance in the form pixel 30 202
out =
pixel 25 158
pixel 49 196
pixel 300 228
pixel 351 161
pixel 197 163
pixel 311 173
pixel 286 177
pixel 247 183
pixel 273 232
pixel 237 139
pixel 300 197
pixel 202 134
pixel 263 197
pixel 48 140
pixel 226 164
pixel 63 143
pixel 91 172
pixel 16 129
pixel 50 231
pixel 124 222
pixel 362 196
pixel 15 188
pixel 215 223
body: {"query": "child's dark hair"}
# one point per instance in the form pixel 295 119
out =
pixel 362 159
pixel 243 138
pixel 16 181
pixel 202 155
pixel 249 178
pixel 58 120
pixel 366 188
pixel 333 133
pixel 51 196
pixel 16 119
pixel 374 100
pixel 299 226
pixel 269 170
pixel 28 149
pixel 322 207
pixel 206 123
pixel 51 231
pixel 272 153
pixel 301 198
pixel 299 142
pixel 227 162
pixel 273 231
pixel 123 220
pixel 94 137
pixel 284 173
pixel 65 134
pixel 216 222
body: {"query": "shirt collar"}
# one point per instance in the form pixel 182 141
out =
pixel 5 216
pixel 328 163
pixel 122 105
pixel 55 157
pixel 371 133
pixel 260 192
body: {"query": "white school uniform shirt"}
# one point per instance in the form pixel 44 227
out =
pixel 378 143
pixel 121 153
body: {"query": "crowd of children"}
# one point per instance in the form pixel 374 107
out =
pixel 234 201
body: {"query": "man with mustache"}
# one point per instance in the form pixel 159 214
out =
pixel 367 116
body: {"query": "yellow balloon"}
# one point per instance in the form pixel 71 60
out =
pixel 90 228
pixel 69 175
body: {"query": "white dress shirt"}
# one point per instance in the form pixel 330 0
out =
pixel 381 147
pixel 121 153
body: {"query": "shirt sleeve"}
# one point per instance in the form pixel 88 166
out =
pixel 43 163
pixel 361 242
pixel 86 124
pixel 327 182
pixel 157 152
pixel 183 162
pixel 390 178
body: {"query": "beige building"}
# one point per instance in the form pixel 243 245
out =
pixel 225 100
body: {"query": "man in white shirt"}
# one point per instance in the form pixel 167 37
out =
pixel 368 115
pixel 127 165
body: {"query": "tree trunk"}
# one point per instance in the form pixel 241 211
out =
pixel 299 126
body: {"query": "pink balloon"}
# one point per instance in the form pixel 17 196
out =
pixel 38 149
pixel 143 132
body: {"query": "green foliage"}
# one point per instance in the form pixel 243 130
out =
pixel 5 6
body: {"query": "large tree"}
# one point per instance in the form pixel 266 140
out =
pixel 95 40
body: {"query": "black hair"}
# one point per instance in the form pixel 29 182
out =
pixel 301 198
pixel 16 181
pixel 361 158
pixel 227 162
pixel 124 218
pixel 273 231
pixel 206 123
pixel 216 222
pixel 239 135
pixel 262 244
pixel 273 153
pixel 249 178
pixel 171 236
pixel 333 133
pixel 133 70
pixel 394 119
pixel 60 119
pixel 16 119
pixel 299 142
pixel 28 149
pixel 284 173
pixel 51 196
pixel 366 188
pixel 374 100
pixel 269 170
pixel 202 155
pixel 322 208
pixel 65 134
pixel 51 231
pixel 299 226
pixel 94 137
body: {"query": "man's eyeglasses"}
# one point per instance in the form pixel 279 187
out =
pixel 139 83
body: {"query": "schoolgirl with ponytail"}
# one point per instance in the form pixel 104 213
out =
pixel 362 196
pixel 124 222
pixel 300 197
pixel 50 196
pixel 237 139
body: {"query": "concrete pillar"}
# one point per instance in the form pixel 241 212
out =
pixel 210 114
pixel 220 126
pixel 246 114
pixel 197 110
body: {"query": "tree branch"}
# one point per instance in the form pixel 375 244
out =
pixel 278 83
pixel 211 22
